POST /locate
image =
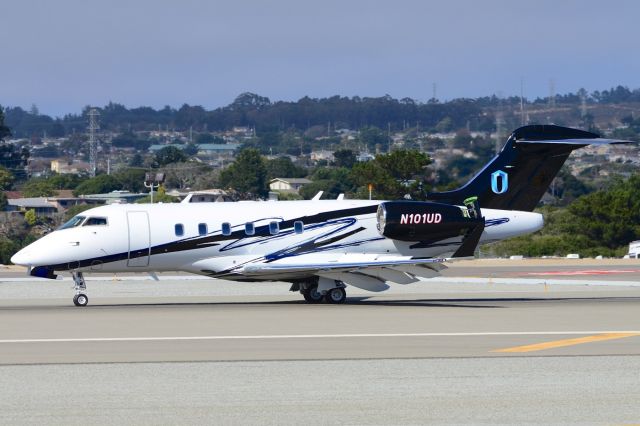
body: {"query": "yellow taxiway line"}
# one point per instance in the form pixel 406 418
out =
pixel 567 342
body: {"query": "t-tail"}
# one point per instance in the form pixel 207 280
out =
pixel 518 177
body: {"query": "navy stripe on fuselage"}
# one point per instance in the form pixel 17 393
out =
pixel 216 238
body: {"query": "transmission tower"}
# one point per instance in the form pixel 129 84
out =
pixel 93 140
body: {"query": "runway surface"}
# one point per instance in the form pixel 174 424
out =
pixel 454 350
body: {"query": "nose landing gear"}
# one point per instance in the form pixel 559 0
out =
pixel 80 299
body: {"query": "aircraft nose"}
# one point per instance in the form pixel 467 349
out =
pixel 21 257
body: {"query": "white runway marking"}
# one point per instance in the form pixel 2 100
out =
pixel 312 336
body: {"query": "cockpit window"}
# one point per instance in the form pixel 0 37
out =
pixel 73 222
pixel 92 221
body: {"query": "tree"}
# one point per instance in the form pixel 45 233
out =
pixel 168 155
pixel 248 174
pixel 370 173
pixel 567 187
pixel 283 167
pixel 11 157
pixel 30 217
pixel 345 158
pixel 38 188
pixel 374 138
pixel 66 181
pixel 600 223
pixel 98 185
pixel 7 249
pixel 184 175
pixel 131 179
pixel 608 218
pixel 4 130
pixel 393 175
pixel 6 179
pixel 136 160
pixel 461 166
pixel 404 165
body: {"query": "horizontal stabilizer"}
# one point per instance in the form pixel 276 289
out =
pixel 582 142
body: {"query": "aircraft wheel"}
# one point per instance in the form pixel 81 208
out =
pixel 312 295
pixel 336 295
pixel 80 299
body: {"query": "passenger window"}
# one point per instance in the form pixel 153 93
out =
pixel 179 230
pixel 249 228
pixel 298 226
pixel 95 221
pixel 274 228
pixel 202 228
pixel 226 229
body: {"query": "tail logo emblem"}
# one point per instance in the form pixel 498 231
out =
pixel 499 182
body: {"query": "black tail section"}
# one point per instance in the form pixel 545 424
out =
pixel 517 178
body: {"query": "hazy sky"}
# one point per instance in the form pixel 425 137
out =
pixel 63 54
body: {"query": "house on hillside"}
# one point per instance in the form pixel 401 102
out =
pixel 288 184
pixel 40 205
pixel 75 167
pixel 46 206
pixel 322 154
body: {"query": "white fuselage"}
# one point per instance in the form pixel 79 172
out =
pixel 189 236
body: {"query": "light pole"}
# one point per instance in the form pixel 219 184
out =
pixel 152 181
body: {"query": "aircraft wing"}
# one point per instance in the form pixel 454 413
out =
pixel 362 271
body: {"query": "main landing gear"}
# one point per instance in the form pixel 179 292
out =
pixel 322 290
pixel 81 298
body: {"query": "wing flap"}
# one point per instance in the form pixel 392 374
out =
pixel 389 274
pixel 422 271
pixel 345 264
pixel 365 282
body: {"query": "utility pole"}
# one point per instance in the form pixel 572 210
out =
pixel 583 104
pixel 523 120
pixel 93 141
pixel 552 94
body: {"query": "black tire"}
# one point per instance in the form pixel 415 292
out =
pixel 336 296
pixel 311 295
pixel 80 299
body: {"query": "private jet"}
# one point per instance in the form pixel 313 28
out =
pixel 319 246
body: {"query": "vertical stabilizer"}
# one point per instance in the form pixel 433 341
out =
pixel 518 177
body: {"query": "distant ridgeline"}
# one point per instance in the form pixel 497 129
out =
pixel 251 110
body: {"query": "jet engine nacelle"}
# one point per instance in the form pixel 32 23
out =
pixel 423 221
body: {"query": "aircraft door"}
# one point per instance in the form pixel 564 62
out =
pixel 139 239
